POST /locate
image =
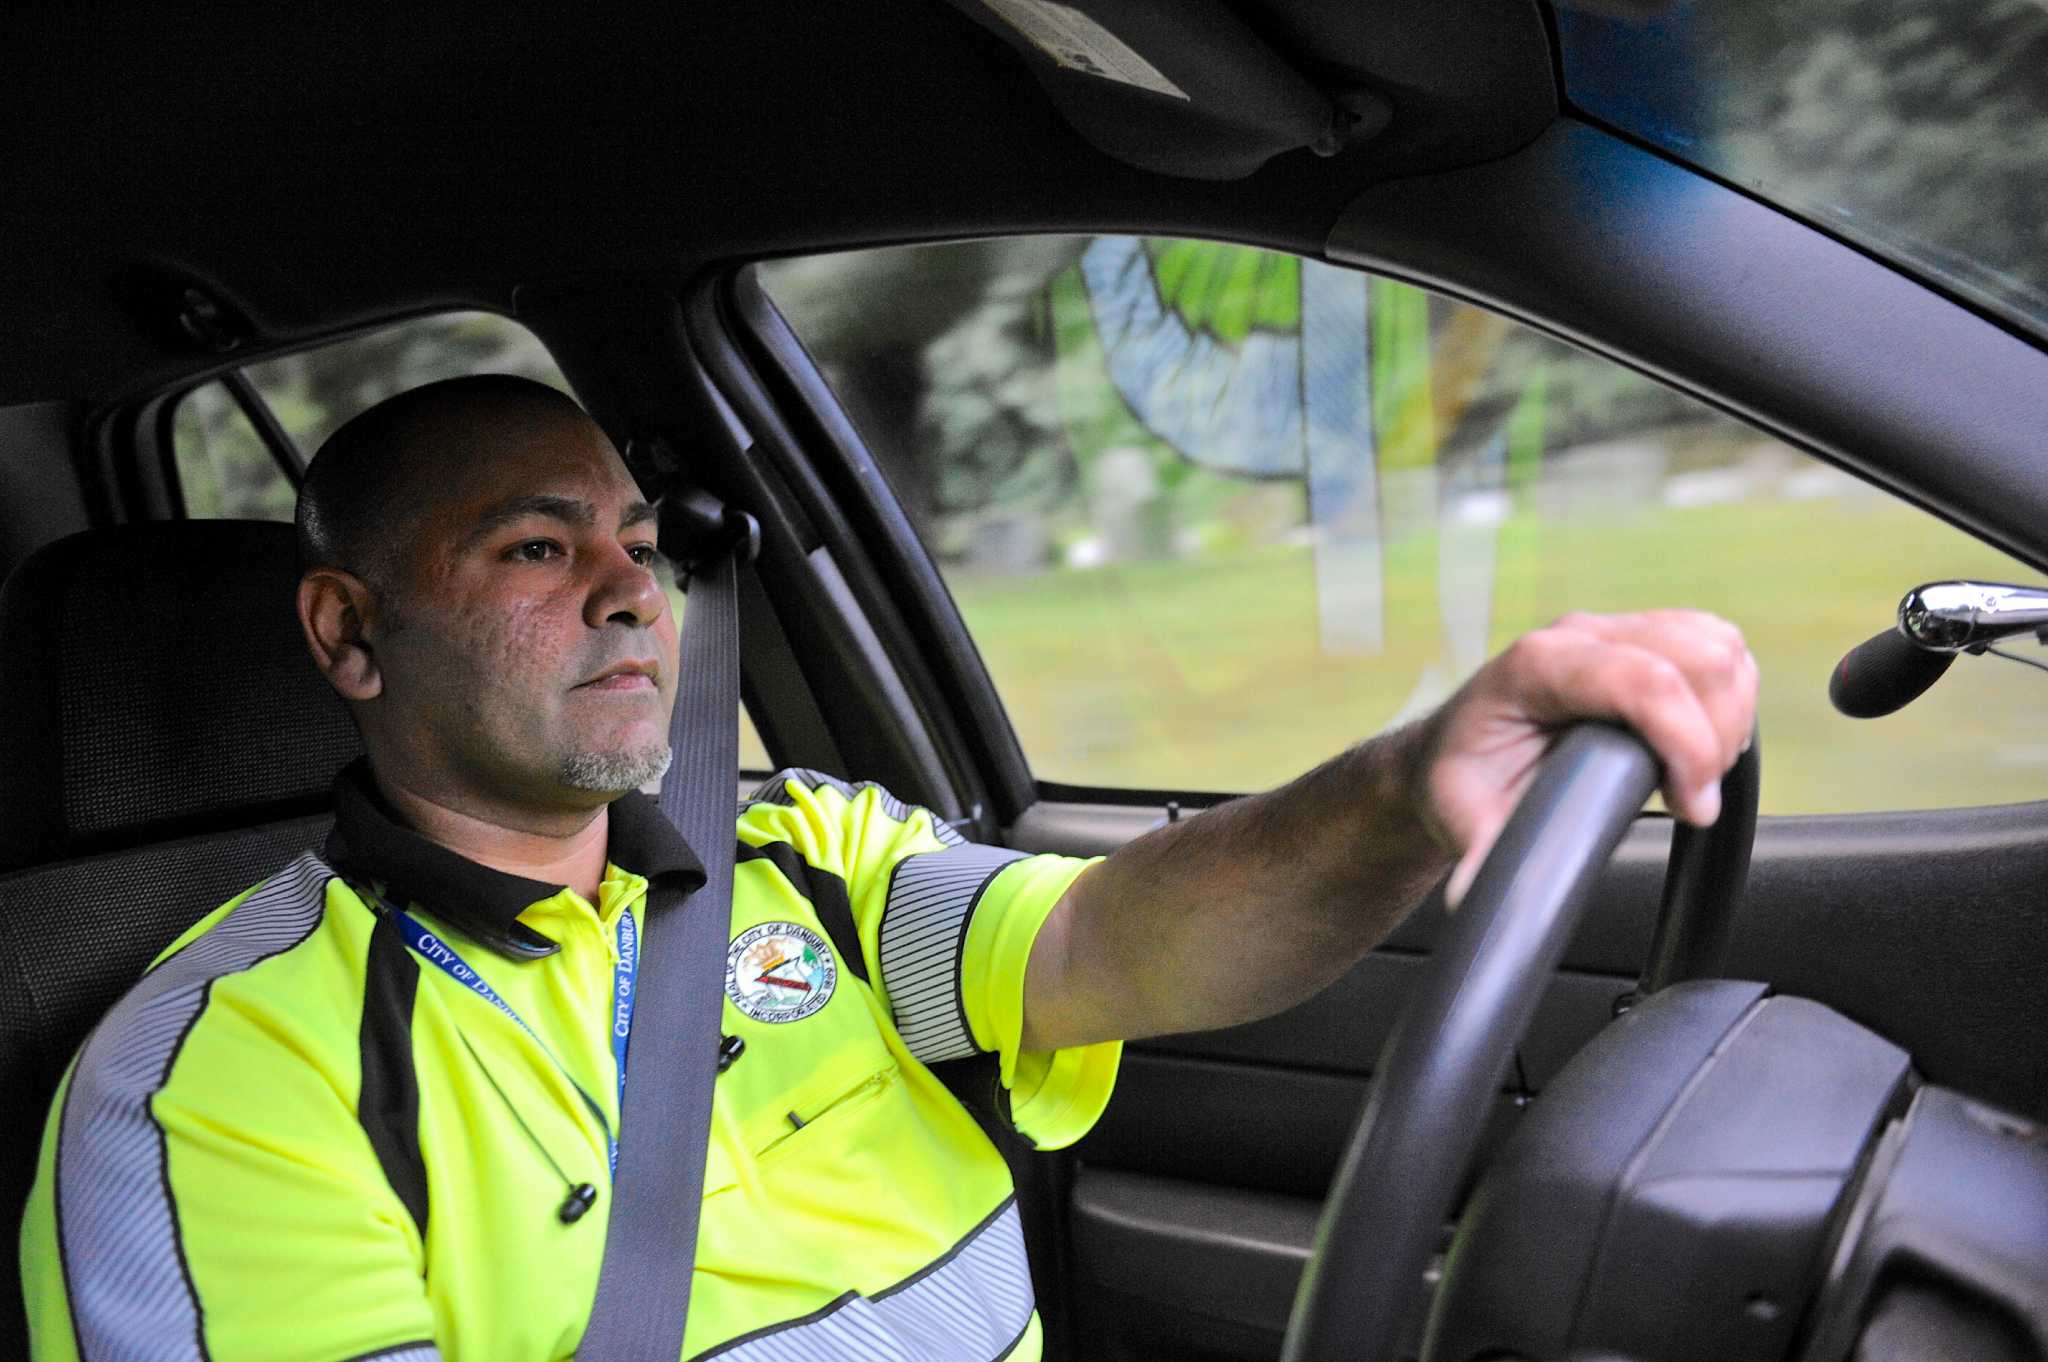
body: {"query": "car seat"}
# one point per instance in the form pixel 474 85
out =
pixel 166 742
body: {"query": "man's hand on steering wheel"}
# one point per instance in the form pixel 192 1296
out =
pixel 1682 679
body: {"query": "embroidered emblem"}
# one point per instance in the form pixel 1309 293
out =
pixel 779 972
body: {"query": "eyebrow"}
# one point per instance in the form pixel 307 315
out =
pixel 568 510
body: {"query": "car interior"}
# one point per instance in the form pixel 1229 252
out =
pixel 1814 1129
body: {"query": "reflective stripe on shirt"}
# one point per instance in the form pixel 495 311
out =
pixel 924 932
pixel 971 1305
pixel 121 1218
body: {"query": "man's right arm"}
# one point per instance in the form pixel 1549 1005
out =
pixel 205 1187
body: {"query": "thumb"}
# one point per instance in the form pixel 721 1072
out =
pixel 1467 869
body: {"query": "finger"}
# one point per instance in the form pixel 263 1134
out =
pixel 1717 659
pixel 1710 651
pixel 1565 673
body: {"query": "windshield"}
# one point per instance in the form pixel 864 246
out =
pixel 1918 131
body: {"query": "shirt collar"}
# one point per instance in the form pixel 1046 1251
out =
pixel 371 842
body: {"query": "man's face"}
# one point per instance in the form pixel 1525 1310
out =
pixel 525 641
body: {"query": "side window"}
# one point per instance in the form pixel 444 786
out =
pixel 226 468
pixel 1213 513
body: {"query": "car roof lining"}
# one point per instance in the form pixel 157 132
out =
pixel 349 166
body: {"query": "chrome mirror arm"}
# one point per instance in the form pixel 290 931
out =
pixel 1954 617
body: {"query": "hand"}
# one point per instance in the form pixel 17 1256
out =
pixel 1682 679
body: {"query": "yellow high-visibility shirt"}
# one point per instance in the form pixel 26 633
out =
pixel 302 1136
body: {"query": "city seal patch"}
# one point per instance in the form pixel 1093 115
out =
pixel 779 972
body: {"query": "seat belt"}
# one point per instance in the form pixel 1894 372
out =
pixel 643 1287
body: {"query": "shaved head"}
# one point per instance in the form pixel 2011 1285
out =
pixel 376 473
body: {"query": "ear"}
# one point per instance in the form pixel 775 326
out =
pixel 336 610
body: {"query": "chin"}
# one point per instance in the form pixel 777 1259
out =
pixel 615 772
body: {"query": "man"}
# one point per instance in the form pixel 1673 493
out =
pixel 368 1109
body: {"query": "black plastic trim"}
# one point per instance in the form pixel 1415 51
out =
pixel 773 688
pixel 1735 303
pixel 1238 1124
pixel 858 492
pixel 111 462
pixel 1194 1248
pixel 1060 792
pixel 284 450
pixel 868 667
pixel 159 420
pixel 1903 266
pixel 1343 1029
pixel 854 673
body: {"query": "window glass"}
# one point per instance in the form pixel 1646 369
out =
pixel 225 469
pixel 314 391
pixel 1213 513
pixel 1918 130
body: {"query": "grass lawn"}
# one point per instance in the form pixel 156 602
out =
pixel 1206 674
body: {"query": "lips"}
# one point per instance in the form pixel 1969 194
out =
pixel 624 676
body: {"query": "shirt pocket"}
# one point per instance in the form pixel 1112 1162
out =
pixel 767 1133
pixel 822 1114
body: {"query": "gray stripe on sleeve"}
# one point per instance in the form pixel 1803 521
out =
pixel 971 1305
pixel 117 1227
pixel 924 933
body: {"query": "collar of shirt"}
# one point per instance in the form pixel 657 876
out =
pixel 369 840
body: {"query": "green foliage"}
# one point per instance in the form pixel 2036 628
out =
pixel 1526 433
pixel 1227 290
pixel 223 466
pixel 1403 407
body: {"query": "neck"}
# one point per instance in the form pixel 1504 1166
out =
pixel 567 851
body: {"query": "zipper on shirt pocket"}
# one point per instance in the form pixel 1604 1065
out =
pixel 796 1122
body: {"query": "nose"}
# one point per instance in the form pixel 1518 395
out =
pixel 623 592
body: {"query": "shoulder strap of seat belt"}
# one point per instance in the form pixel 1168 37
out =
pixel 643 1288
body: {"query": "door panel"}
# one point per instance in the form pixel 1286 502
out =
pixel 1191 1250
pixel 1190 1209
pixel 1232 1124
pixel 1342 1029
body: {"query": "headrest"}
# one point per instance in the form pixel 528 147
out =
pixel 153 684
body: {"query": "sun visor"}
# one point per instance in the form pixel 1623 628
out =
pixel 1181 87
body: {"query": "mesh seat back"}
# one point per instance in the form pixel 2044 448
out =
pixel 155 684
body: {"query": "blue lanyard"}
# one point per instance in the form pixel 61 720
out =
pixel 435 951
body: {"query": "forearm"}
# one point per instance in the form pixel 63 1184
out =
pixel 1242 911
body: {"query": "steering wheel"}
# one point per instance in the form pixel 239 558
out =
pixel 1449 1054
